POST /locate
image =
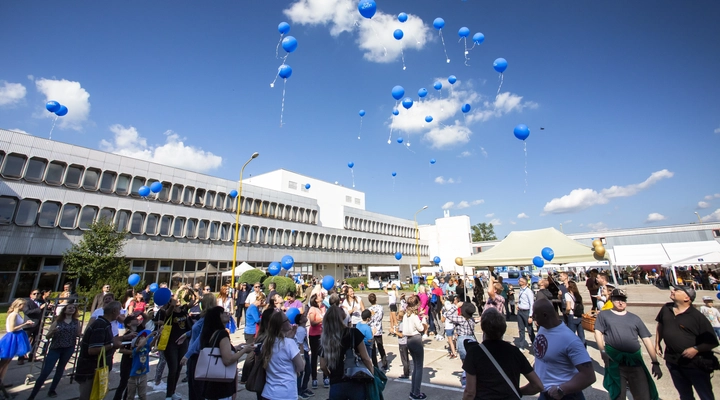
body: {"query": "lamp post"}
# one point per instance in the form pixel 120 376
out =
pixel 417 238
pixel 237 219
pixel 698 215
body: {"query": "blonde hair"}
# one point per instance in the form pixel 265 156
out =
pixel 17 306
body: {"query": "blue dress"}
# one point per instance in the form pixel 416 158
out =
pixel 14 344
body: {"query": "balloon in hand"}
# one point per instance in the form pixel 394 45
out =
pixel 287 262
pixel 162 296
pixel 274 268
pixel 154 287
pixel 292 314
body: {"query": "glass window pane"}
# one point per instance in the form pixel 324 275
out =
pixel 178 227
pixel 230 203
pixel 69 216
pixel 74 173
pixel 219 201
pixel 137 182
pixel 209 199
pixel 191 230
pixel 87 217
pixel 123 184
pixel 136 225
pixel 200 197
pixel 107 214
pixel 55 173
pixel 188 195
pixel 151 227
pixel 90 181
pixel 14 164
pixel 35 169
pixel 165 192
pixel 123 220
pixel 203 229
pixel 214 230
pixel 27 212
pixel 107 182
pixel 175 193
pixel 7 209
pixel 2 156
pixel 48 214
pixel 165 223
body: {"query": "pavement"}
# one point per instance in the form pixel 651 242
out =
pixel 440 374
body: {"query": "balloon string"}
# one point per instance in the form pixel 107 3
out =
pixel 393 183
pixel 359 133
pixel 466 53
pixel 282 108
pixel 53 126
pixel 526 173
pixel 378 38
pixel 402 55
pixel 501 82
pixel 276 75
pixel 352 173
pixel 392 123
pixel 277 48
pixel 443 43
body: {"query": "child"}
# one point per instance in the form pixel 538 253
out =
pixel 402 343
pixel 131 325
pixel 712 314
pixel 511 299
pixel 302 342
pixel 449 326
pixel 141 346
pixel 364 327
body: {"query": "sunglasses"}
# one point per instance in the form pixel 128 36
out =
pixel 34 293
pixel 257 287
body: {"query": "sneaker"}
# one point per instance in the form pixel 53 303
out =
pixel 161 386
pixel 52 394
pixel 440 338
pixel 309 393
pixel 418 396
pixel 403 377
pixel 303 396
pixel 176 397
pixel 424 337
pixel 184 380
pixel 314 384
pixel 326 382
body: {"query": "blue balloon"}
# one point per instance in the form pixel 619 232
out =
pixel 521 131
pixel 62 111
pixel 283 27
pixel 500 65
pixel 307 186
pixel 274 268
pixel 52 106
pixel 422 92
pixel 538 261
pixel 437 85
pixel 547 253
pixel 398 255
pixel 428 119
pixel 287 262
pixel 395 111
pixel 407 103
pixel 362 113
pixel 399 140
pixel 398 34
pixel 394 173
pixel 452 79
pixel 144 191
pixel 398 92
pixel 478 38
pixel 289 44
pixel 466 108
pixel 284 71
pixel 133 279
pixel 402 17
pixel 328 282
pixel 154 287
pixel 432 161
pixel 464 32
pixel 292 313
pixel 439 23
pixel 156 187
pixel 718 295
pixel 162 296
pixel 351 164
pixel 367 8
pixel 436 260
pixel 233 194
pixel 654 270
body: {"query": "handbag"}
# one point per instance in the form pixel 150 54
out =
pixel 165 334
pixel 353 367
pixel 100 380
pixel 210 366
pixel 256 379
pixel 482 346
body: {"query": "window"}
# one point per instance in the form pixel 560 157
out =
pixel 27 212
pixel 188 195
pixel 69 215
pixel 209 199
pixel 7 209
pixel 137 183
pixel 178 227
pixel 191 228
pixel 107 214
pixel 151 228
pixel 74 173
pixel 348 199
pixel 123 185
pixel 230 203
pixel 165 223
pixel 14 165
pixel 136 223
pixel 165 192
pixel 107 182
pixel 292 185
pixel 357 201
pixel 202 229
pixel 87 217
pixel 55 172
pixel 219 201
pixel 200 197
pixel 214 230
pixel 48 214
pixel 175 193
pixel 91 178
pixel 35 169
pixel 225 232
pixel 122 220
pixel 2 156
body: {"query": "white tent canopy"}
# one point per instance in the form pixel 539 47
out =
pixel 702 259
pixel 239 270
pixel 662 253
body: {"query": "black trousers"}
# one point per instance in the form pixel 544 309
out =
pixel 195 388
pixel 125 367
pixel 314 353
pixel 249 359
pixel 173 353
pixel 238 313
pixel 405 360
pixel 378 347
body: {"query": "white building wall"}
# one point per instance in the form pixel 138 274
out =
pixel 449 238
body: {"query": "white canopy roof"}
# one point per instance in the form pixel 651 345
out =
pixel 662 253
pixel 703 259
pixel 239 270
pixel 689 249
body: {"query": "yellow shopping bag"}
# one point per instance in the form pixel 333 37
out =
pixel 100 381
pixel 165 334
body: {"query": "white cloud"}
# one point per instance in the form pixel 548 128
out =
pixel 597 227
pixel 19 131
pixel 655 217
pixel 448 205
pixel 465 154
pixel 375 37
pixel 496 222
pixel 462 204
pixel 490 215
pixel 11 93
pixel 477 202
pixel 522 215
pixel 717 130
pixel 513 222
pixel 484 153
pixel 128 142
pixel 580 199
pixel 441 180
pixel 714 217
pixel 504 103
pixel 712 196
pixel 71 95
pixel 703 204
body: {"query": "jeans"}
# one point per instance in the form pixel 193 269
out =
pixel 125 367
pixel 160 367
pixel 173 354
pixel 575 325
pixel 304 377
pixel 54 356
pixel 415 347
pixel 347 391
pixel 717 332
pixel 314 353
pixel 431 321
pixel 404 359
pixel 461 345
pixel 685 378
pixel 522 321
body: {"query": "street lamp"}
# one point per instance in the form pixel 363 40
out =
pixel 417 239
pixel 237 219
pixel 698 215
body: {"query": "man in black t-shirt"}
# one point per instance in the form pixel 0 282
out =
pixel 97 336
pixel 689 340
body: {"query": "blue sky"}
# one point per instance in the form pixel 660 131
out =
pixel 628 94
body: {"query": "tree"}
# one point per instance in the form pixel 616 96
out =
pixel 97 259
pixel 483 232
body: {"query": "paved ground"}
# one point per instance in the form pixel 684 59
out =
pixel 440 375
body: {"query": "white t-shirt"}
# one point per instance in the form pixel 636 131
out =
pixel 353 309
pixel 712 314
pixel 557 352
pixel 281 379
pixel 570 298
pixel 114 324
pixel 447 307
pixel 251 297
pixel 392 298
pixel 411 325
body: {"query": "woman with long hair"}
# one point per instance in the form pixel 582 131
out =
pixel 223 300
pixel 423 305
pixel 63 334
pixel 176 315
pixel 315 316
pixel 336 340
pixel 574 309
pixel 128 301
pixel 353 306
pixel 392 292
pixel 15 343
pixel 240 295
pixel 413 328
pixel 195 388
pixel 252 331
pixel 281 358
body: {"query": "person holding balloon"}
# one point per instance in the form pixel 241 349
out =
pixel 316 313
pixel 174 345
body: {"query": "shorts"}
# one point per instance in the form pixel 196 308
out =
pixel 449 332
pixel 393 307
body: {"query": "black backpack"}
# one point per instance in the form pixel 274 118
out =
pixel 579 309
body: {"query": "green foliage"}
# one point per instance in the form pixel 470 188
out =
pixel 97 260
pixel 354 282
pixel 252 276
pixel 283 283
pixel 483 232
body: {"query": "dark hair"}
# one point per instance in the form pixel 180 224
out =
pixel 572 287
pixel 264 321
pixel 301 320
pixel 128 319
pixel 467 310
pixel 274 333
pixel 366 314
pixel 211 324
pixel 313 301
pixel 372 298
pixel 290 293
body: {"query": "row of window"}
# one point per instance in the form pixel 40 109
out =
pixel 49 214
pixel 366 225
